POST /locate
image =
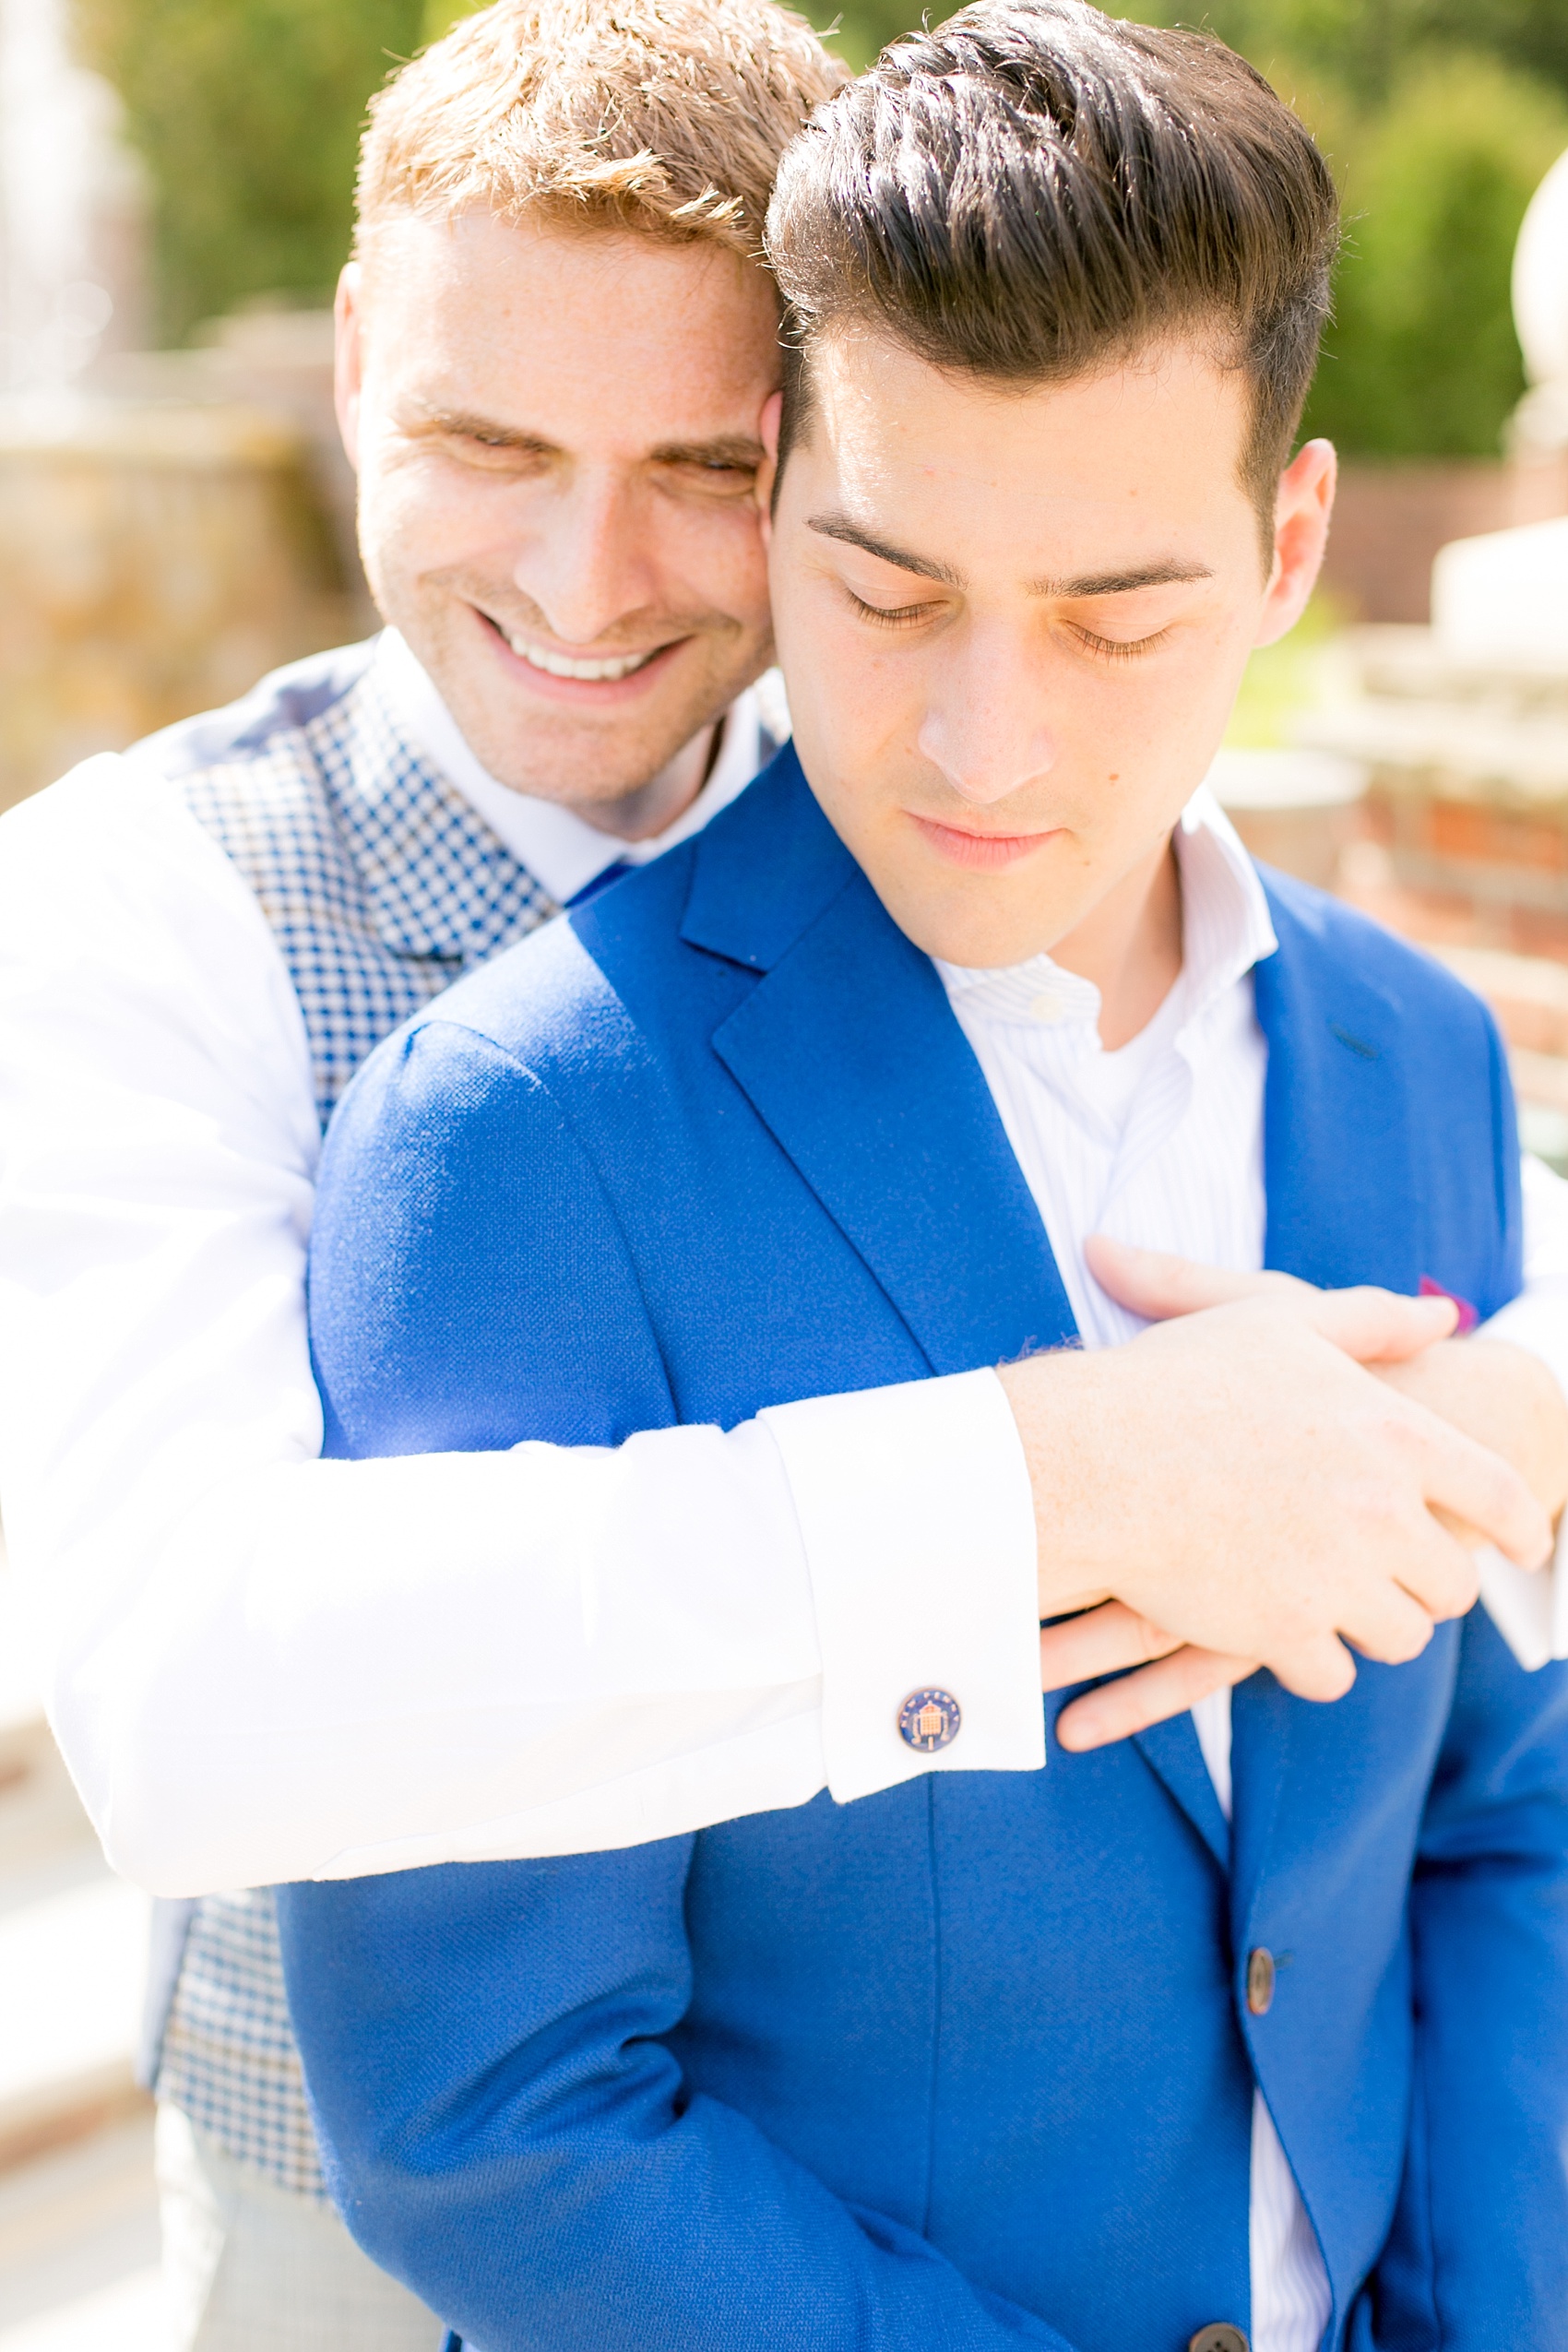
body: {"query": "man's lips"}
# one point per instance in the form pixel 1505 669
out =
pixel 990 853
pixel 617 677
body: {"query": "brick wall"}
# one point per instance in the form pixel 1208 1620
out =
pixel 1390 520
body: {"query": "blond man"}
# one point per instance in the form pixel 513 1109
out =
pixel 555 350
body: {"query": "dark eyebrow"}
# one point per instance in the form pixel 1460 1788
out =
pixel 1158 575
pixel 462 426
pixel 841 528
pixel 1165 575
pixel 736 450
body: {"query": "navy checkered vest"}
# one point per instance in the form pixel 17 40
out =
pixel 383 885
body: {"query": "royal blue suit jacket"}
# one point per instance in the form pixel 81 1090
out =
pixel 967 2064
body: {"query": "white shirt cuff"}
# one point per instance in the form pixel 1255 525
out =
pixel 918 1521
pixel 1530 1610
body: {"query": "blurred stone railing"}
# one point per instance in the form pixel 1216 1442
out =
pixel 155 560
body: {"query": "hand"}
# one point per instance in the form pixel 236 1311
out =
pixel 1501 1395
pixel 1244 1487
pixel 1109 1640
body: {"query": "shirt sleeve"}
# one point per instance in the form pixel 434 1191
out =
pixel 262 1666
pixel 1531 1611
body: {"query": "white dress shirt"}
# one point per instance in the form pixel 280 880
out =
pixel 1161 1144
pixel 557 847
pixel 263 1666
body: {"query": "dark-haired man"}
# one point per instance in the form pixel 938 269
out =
pixel 554 350
pixel 1254 2027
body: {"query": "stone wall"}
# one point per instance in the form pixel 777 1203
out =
pixel 1390 520
pixel 154 561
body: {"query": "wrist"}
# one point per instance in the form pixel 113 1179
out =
pixel 1061 1404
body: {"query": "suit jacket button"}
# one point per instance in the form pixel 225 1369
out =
pixel 930 1719
pixel 1260 1981
pixel 1218 2337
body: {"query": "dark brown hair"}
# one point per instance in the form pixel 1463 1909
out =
pixel 1036 190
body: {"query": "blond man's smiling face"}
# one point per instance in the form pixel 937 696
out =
pixel 1014 622
pixel 556 434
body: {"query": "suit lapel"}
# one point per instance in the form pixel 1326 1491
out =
pixel 1344 1196
pixel 1344 1207
pixel 849 1055
pixel 1171 1751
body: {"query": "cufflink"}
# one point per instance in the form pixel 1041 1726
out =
pixel 929 1720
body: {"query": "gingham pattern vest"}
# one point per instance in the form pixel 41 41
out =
pixel 383 886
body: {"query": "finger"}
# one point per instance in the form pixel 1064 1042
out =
pixel 1135 1701
pixel 1387 1623
pixel 1378 1326
pixel 1154 1284
pixel 1102 1641
pixel 1443 1571
pixel 1320 1669
pixel 1475 1485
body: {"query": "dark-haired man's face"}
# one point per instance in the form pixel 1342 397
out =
pixel 1013 624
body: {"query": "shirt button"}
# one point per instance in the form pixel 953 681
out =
pixel 1048 1009
pixel 1260 1981
pixel 929 1720
pixel 1218 2337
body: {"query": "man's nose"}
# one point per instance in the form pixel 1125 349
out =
pixel 983 726
pixel 589 563
pixel 988 752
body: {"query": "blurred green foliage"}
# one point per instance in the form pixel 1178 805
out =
pixel 1437 147
pixel 1439 116
pixel 1422 359
pixel 248 113
pixel 1367 45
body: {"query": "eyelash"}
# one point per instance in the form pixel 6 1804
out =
pixel 1111 650
pixel 903 617
pixel 1114 650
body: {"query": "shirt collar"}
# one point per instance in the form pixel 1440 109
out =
pixel 1226 929
pixel 556 846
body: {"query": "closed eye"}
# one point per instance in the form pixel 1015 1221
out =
pixel 898 616
pixel 1117 649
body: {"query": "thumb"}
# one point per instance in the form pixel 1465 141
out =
pixel 1374 1326
pixel 1156 1285
pixel 1378 1326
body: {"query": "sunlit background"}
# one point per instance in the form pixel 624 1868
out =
pixel 1440 117
pixel 176 518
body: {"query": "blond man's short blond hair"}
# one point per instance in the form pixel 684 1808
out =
pixel 667 118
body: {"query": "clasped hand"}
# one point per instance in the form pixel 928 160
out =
pixel 1273 1476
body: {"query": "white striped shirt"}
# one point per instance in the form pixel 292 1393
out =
pixel 1161 1144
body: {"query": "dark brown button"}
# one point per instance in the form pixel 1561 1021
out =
pixel 1218 2337
pixel 1260 1981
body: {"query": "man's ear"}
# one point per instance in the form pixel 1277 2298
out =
pixel 767 472
pixel 348 357
pixel 1301 514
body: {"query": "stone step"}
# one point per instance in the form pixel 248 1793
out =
pixel 1451 749
pixel 73 1939
pixel 73 1947
pixel 1405 664
pixel 78 2227
pixel 40 1814
pixel 1529 995
pixel 78 2248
